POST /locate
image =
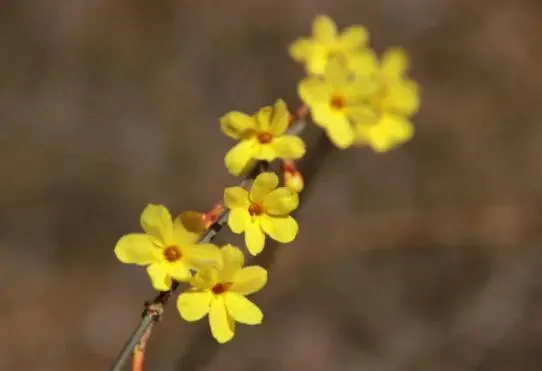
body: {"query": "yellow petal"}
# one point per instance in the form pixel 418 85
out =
pixel 340 132
pixel 156 221
pixel 280 118
pixel 263 185
pixel 353 37
pixel 160 280
pixel 282 229
pixel 398 127
pixel 221 328
pixel 178 270
pixel 282 201
pixel 137 248
pixel 394 63
pixel 361 114
pixel 205 279
pixel 324 29
pixel 239 157
pixel 314 92
pixel 254 238
pixel 242 310
pixel 362 63
pixel 263 118
pixel 317 62
pixel 188 227
pixel 337 73
pixel 238 219
pixel 249 280
pixel 323 115
pixel 288 147
pixel 202 255
pixel 236 197
pixel 237 125
pixel 402 98
pixel 194 305
pixel 301 49
pixel 265 152
pixel 233 260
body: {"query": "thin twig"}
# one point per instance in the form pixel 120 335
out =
pixel 154 309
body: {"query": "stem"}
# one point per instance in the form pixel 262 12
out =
pixel 154 309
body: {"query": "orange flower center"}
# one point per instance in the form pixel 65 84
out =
pixel 265 138
pixel 337 102
pixel 255 209
pixel 221 288
pixel 172 253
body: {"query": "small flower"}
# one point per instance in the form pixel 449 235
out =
pixel 396 99
pixel 263 210
pixel 168 247
pixel 326 43
pixel 338 102
pixel 220 292
pixel 261 137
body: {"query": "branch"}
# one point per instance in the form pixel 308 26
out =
pixel 155 308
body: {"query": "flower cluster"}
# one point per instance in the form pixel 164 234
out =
pixel 357 98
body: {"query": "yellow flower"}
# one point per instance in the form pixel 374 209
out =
pixel 338 102
pixel 168 247
pixel 220 292
pixel 263 210
pixel 395 100
pixel 326 43
pixel 261 137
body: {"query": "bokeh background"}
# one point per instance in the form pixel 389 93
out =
pixel 426 258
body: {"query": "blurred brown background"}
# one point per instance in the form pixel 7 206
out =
pixel 426 258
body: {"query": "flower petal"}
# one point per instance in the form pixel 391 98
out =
pixel 301 49
pixel 238 219
pixel 178 270
pixel 324 29
pixel 160 280
pixel 363 63
pixel 314 91
pixel 137 248
pixel 188 227
pixel 265 152
pixel 205 279
pixel 194 305
pixel 318 60
pixel 279 118
pixel 340 132
pixel 233 260
pixel 254 238
pixel 237 125
pixel 402 98
pixel 263 118
pixel 354 37
pixel 249 280
pixel 288 147
pixel 202 255
pixel 240 156
pixel 236 197
pixel 394 64
pixel 156 221
pixel 263 185
pixel 282 229
pixel 221 327
pixel 391 131
pixel 282 201
pixel 337 73
pixel 242 310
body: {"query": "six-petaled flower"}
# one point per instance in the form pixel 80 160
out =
pixel 220 293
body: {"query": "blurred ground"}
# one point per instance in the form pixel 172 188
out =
pixel 427 258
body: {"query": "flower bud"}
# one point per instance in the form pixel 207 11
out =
pixel 294 180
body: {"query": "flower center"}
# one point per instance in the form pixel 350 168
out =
pixel 255 209
pixel 337 102
pixel 172 253
pixel 265 138
pixel 221 288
